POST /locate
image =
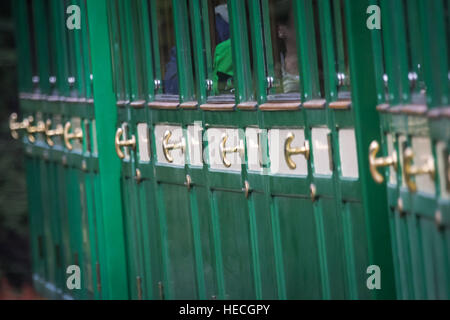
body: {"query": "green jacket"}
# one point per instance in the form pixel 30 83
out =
pixel 223 68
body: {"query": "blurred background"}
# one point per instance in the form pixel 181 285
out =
pixel 15 260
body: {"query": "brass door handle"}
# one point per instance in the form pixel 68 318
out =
pixel 375 163
pixel 32 130
pixel 123 143
pixel 15 126
pixel 76 135
pixel 289 151
pixel 50 133
pixel 411 170
pixel 224 151
pixel 167 146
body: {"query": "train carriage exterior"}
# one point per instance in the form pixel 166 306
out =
pixel 237 149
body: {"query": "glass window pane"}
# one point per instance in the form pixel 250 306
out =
pixel 414 45
pixel 284 70
pixel 218 47
pixel 117 52
pixel 341 49
pixel 165 55
pixel 137 61
pixel 447 19
pixel 319 54
pixel 32 37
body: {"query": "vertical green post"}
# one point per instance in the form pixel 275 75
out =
pixel 109 163
pixel 367 128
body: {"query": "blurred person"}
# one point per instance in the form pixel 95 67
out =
pixel 286 35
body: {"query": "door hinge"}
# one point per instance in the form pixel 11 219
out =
pixel 99 282
pixel 446 169
pixel 57 256
pixel 40 247
pixel 139 287
pixel 161 290
pixel 75 258
pixel 330 152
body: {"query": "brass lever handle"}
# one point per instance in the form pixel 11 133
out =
pixel 15 126
pixel 76 135
pixel 167 146
pixel 289 151
pixel 32 130
pixel 375 163
pixel 224 151
pixel 412 170
pixel 123 143
pixel 50 133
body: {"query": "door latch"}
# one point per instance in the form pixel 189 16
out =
pixel 375 163
pixel 412 170
pixel 224 151
pixel 15 126
pixel 167 146
pixel 289 151
pixel 68 136
pixel 123 143
pixel 50 133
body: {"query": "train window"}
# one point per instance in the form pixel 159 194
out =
pixel 126 35
pixel 217 49
pixel 32 39
pixel 447 31
pixel 63 47
pixel 75 49
pixel 117 53
pixel 137 56
pixel 415 57
pixel 72 57
pixel 41 45
pixel 51 48
pixel 220 48
pixel 165 54
pixel 406 76
pixel 341 49
pixel 88 83
pixel 380 66
pixel 282 62
pixel 401 42
pixel 293 50
pixel 144 39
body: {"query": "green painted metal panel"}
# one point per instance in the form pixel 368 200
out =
pixel 364 101
pixel 109 165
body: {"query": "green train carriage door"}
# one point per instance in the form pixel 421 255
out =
pixel 38 106
pixel 70 106
pixel 128 89
pixel 303 177
pixel 223 78
pixel 310 114
pixel 156 200
pixel 27 71
pixel 52 73
pixel 411 60
pixel 82 163
pixel 287 185
pixel 170 87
